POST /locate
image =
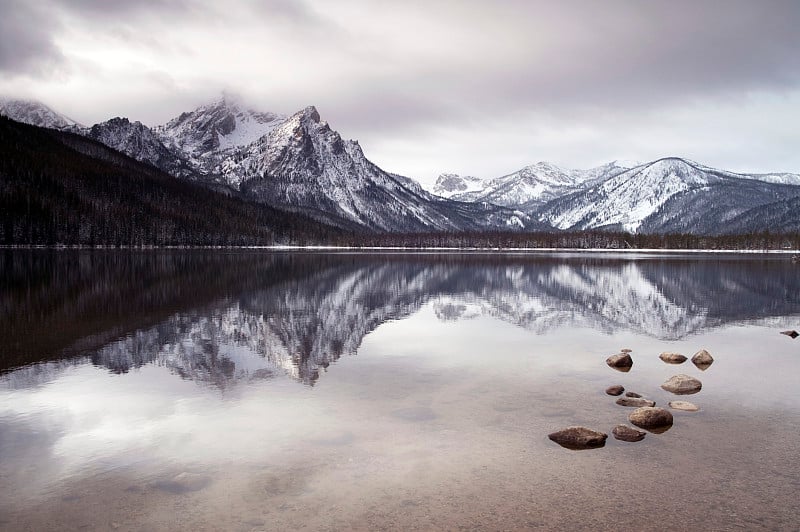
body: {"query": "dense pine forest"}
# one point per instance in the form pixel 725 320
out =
pixel 61 189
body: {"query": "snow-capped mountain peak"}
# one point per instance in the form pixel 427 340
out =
pixel 449 185
pixel 34 113
pixel 220 127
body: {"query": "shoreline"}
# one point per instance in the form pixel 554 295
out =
pixel 406 249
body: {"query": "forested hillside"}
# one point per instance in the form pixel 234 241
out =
pixel 59 188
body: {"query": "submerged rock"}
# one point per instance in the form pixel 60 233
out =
pixel 626 433
pixel 621 362
pixel 652 418
pixel 686 406
pixel 635 401
pixel 183 483
pixel 617 389
pixel 682 385
pixel 702 359
pixel 632 394
pixel 672 358
pixel 792 334
pixel 578 438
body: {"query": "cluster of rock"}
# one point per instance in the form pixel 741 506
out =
pixel 647 415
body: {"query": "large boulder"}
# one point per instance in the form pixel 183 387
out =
pixel 672 358
pixel 626 433
pixel 635 401
pixel 617 389
pixel 578 438
pixel 682 385
pixel 702 359
pixel 621 362
pixel 652 418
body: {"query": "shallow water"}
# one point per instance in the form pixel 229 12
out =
pixel 258 391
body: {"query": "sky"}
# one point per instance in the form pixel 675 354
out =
pixel 474 87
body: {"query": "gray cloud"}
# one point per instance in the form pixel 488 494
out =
pixel 26 40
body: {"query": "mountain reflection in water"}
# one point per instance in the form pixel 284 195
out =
pixel 223 317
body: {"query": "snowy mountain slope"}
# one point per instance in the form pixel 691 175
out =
pixel 34 113
pixel 450 185
pixel 711 210
pixel 140 142
pixel 779 216
pixel 528 188
pixel 637 199
pixel 305 165
pixel 211 135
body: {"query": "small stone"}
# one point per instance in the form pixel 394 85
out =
pixel 632 394
pixel 626 433
pixel 621 362
pixel 791 334
pixel 682 385
pixel 626 350
pixel 702 359
pixel 652 418
pixel 578 438
pixel 635 402
pixel 183 483
pixel 684 405
pixel 672 358
pixel 617 389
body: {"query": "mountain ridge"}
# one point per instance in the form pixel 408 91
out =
pixel 298 163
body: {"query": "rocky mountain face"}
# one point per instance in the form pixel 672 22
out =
pixel 299 163
pixel 296 163
pixel 663 196
pixel 668 195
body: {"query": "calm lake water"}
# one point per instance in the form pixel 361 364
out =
pixel 275 391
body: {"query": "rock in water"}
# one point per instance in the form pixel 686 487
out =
pixel 617 389
pixel 632 394
pixel 682 385
pixel 578 438
pixel 702 359
pixel 626 350
pixel 652 418
pixel 626 433
pixel 621 362
pixel 684 405
pixel 672 358
pixel 792 334
pixel 183 483
pixel 635 401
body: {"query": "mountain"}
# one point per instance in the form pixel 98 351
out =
pixel 667 195
pixel 140 142
pixel 305 165
pixel 298 163
pixel 61 188
pixel 212 136
pixel 533 186
pixel 34 113
pixel 453 185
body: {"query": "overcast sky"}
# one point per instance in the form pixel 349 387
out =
pixel 431 86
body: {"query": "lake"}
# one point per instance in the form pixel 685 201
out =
pixel 252 390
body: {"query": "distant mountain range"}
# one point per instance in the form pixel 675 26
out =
pixel 299 164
